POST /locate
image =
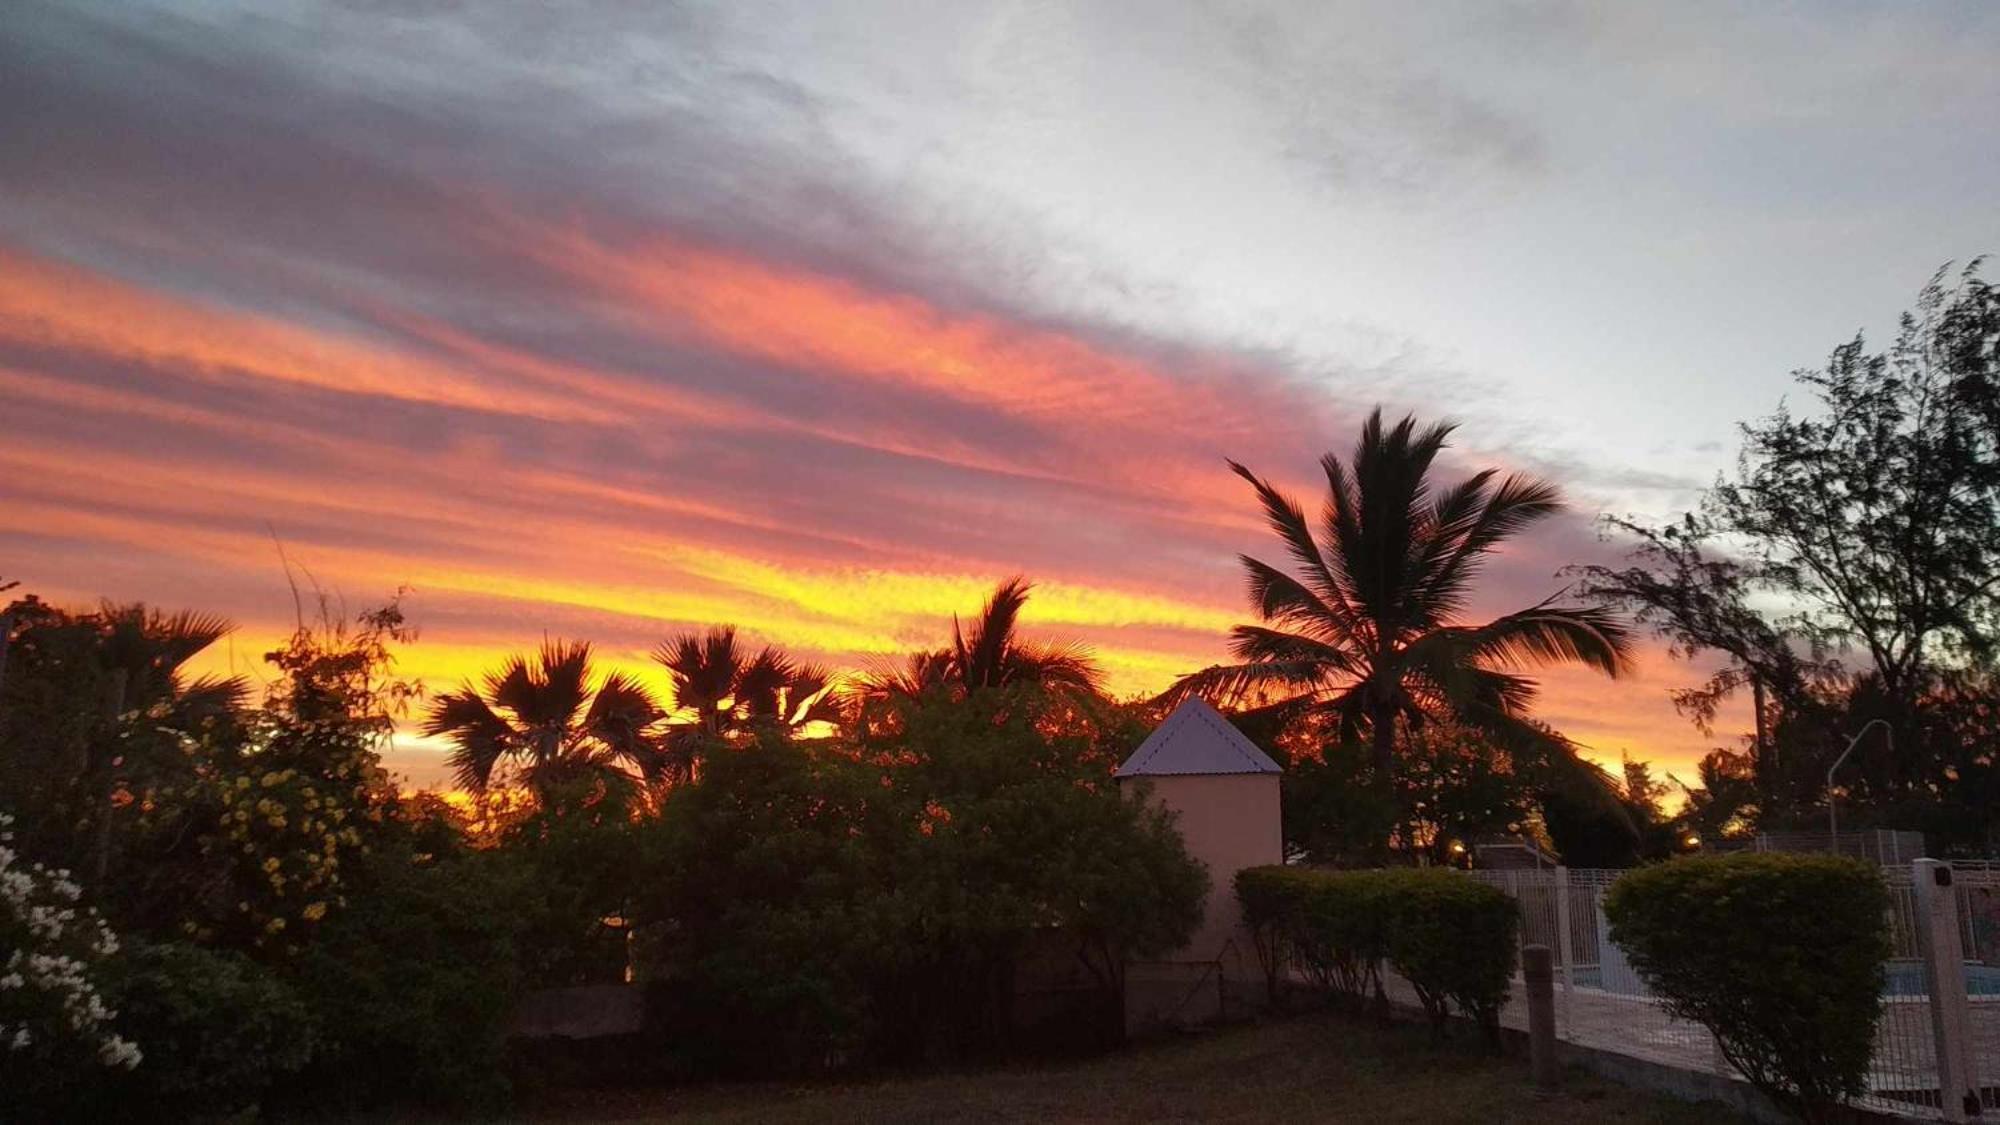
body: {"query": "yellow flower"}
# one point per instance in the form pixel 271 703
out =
pixel 277 822
pixel 313 912
pixel 274 925
pixel 271 864
pixel 271 779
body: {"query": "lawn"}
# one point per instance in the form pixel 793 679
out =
pixel 1310 1068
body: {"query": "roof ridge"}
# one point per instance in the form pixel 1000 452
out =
pixel 1166 751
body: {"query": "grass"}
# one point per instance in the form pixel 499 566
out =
pixel 1308 1068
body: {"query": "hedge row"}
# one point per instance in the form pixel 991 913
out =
pixel 1453 939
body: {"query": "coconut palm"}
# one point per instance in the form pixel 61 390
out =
pixel 721 690
pixel 541 715
pixel 1368 631
pixel 990 653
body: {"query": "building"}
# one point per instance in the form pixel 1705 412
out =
pixel 1223 793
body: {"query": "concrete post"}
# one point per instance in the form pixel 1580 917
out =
pixel 1563 942
pixel 1538 976
pixel 1944 971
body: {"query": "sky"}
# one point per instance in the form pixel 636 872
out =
pixel 604 321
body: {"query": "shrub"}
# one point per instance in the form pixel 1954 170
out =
pixel 56 1033
pixel 1779 956
pixel 1273 904
pixel 412 987
pixel 219 1030
pixel 1453 939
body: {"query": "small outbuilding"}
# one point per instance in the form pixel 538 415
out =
pixel 1223 792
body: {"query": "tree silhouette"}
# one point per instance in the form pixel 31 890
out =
pixel 722 690
pixel 989 653
pixel 541 716
pixel 1367 632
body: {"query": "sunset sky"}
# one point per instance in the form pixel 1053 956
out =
pixel 602 321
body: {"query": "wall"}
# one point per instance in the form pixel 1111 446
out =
pixel 1229 822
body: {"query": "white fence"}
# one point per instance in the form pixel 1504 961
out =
pixel 1602 1003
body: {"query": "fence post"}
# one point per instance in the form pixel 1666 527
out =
pixel 1538 977
pixel 1944 970
pixel 1563 942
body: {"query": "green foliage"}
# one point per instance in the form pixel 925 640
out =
pixel 771 894
pixel 218 1031
pixel 1451 938
pixel 572 880
pixel 819 903
pixel 411 986
pixel 1780 956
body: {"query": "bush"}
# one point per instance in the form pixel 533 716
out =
pixel 1328 924
pixel 218 1028
pixel 412 986
pixel 1779 956
pixel 1453 939
pixel 56 1035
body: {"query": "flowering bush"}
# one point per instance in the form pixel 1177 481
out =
pixel 284 834
pixel 53 1020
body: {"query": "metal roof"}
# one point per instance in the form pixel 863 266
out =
pixel 1196 739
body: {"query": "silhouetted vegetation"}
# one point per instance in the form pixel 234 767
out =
pixel 1848 570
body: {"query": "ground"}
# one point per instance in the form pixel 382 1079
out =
pixel 1308 1068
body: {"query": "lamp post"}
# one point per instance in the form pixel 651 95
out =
pixel 1832 810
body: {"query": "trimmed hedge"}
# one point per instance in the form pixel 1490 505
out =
pixel 1779 956
pixel 1453 939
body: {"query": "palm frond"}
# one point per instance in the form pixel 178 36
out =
pixel 480 738
pixel 1253 643
pixel 1281 598
pixel 621 715
pixel 982 656
pixel 209 697
pixel 1551 634
pixel 1519 502
pixel 1288 520
pixel 1228 685
pixel 1054 666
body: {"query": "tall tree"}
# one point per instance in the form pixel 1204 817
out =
pixel 722 690
pixel 1367 633
pixel 1856 541
pixel 541 715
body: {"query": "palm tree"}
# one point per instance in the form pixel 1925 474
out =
pixel 1368 630
pixel 990 654
pixel 722 690
pixel 541 715
pixel 135 659
pixel 145 653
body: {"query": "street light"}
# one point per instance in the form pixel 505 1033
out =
pixel 1832 813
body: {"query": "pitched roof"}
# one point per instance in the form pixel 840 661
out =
pixel 1196 739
